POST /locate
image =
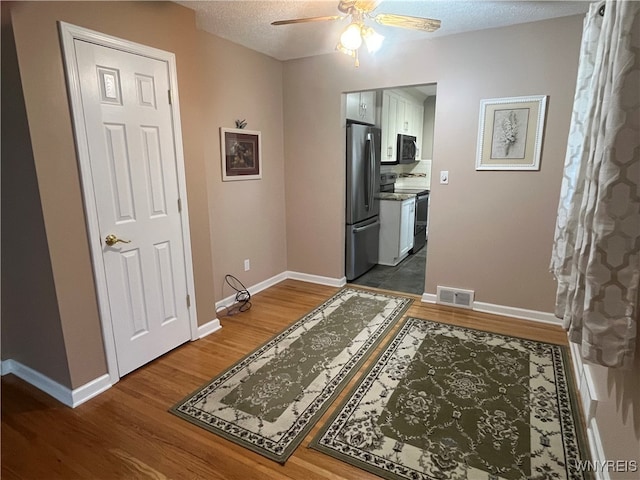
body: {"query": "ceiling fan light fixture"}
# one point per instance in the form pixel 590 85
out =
pixel 351 38
pixel 372 39
pixel 341 48
pixel 360 13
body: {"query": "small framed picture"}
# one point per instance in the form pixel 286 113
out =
pixel 241 154
pixel 510 133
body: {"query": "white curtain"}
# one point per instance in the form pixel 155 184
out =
pixel 596 253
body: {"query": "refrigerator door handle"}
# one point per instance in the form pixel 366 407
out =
pixel 367 172
pixel 370 180
pixel 372 159
pixel 366 227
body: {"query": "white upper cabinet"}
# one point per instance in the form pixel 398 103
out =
pixel 417 125
pixel 400 114
pixel 389 122
pixel 361 107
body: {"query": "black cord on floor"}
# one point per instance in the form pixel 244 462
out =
pixel 243 296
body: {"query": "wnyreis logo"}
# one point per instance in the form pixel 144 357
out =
pixel 619 466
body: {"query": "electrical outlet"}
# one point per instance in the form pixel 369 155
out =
pixel 247 265
pixel 444 177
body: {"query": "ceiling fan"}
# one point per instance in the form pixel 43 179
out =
pixel 357 31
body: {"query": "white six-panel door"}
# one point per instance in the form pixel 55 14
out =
pixel 127 119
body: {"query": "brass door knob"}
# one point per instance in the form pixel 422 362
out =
pixel 111 240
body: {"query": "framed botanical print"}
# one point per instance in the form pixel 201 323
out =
pixel 510 133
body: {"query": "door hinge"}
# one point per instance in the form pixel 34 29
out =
pixel 179 205
pixel 188 301
pixel 169 94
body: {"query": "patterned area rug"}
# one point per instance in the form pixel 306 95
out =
pixel 445 402
pixel 269 400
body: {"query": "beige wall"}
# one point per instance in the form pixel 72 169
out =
pixel 489 231
pixel 218 83
pixel 28 292
pixel 248 216
pixel 429 124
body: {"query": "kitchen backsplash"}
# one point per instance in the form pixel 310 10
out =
pixel 413 175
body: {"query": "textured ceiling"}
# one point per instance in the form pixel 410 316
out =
pixel 248 23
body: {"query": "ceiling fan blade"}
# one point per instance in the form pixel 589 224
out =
pixel 405 21
pixel 310 19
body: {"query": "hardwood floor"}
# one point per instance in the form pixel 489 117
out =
pixel 127 431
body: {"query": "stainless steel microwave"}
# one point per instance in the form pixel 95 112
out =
pixel 407 148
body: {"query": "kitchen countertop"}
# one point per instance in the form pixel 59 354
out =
pixel 413 191
pixel 395 196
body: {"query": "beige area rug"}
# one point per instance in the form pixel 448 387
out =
pixel 445 402
pixel 269 400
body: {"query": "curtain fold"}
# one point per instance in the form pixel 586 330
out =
pixel 596 252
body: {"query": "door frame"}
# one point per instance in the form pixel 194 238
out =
pixel 68 34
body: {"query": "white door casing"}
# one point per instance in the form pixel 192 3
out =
pixel 130 153
pixel 128 124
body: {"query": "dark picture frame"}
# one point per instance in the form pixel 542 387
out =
pixel 241 154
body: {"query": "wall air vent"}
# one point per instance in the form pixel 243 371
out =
pixel 455 297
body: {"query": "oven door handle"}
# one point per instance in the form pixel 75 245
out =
pixel 419 200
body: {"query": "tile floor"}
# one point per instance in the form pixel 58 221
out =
pixel 407 276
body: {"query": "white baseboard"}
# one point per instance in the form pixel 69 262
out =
pixel 306 277
pixel 90 390
pixel 429 298
pixel 534 315
pixel 576 360
pixel 6 367
pixel 258 287
pixel 505 311
pixel 208 328
pixel 65 395
pixel 287 275
pixel 596 450
pixel 589 398
pixel 585 382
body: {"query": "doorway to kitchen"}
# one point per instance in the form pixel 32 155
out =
pixel 404 113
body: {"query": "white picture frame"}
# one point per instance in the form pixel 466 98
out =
pixel 510 133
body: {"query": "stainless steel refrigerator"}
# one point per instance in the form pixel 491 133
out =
pixel 363 205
